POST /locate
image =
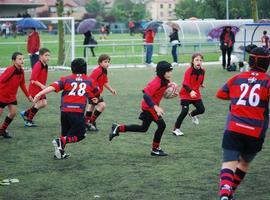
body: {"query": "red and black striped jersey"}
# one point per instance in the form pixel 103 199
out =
pixel 249 95
pixel 76 89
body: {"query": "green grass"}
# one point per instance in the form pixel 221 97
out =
pixel 123 169
pixel 120 54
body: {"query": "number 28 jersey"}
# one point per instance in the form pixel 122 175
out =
pixel 249 94
pixel 76 89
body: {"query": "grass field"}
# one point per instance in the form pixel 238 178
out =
pixel 123 169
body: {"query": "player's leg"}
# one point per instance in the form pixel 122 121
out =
pixel 200 109
pixel 33 111
pixel 156 150
pixel 99 108
pixel 12 113
pixel 185 107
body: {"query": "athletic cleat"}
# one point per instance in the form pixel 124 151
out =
pixel 92 126
pixel 28 123
pixel 23 115
pixel 194 119
pixel 114 132
pixel 158 152
pixel 63 156
pixel 58 151
pixel 224 198
pixel 177 132
pixel 5 134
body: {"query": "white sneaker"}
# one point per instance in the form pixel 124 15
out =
pixel 174 64
pixel 177 132
pixel 194 119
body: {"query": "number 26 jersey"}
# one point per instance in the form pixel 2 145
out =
pixel 249 95
pixel 76 89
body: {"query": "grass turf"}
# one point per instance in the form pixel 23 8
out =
pixel 123 168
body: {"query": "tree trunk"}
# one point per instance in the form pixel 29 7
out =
pixel 254 10
pixel 61 35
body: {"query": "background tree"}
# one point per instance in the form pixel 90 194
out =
pixel 61 35
pixel 254 10
pixel 95 8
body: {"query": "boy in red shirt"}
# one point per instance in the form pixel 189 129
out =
pixel 190 93
pixel 98 75
pixel 247 120
pixel 10 80
pixel 37 83
pixel 152 95
pixel 76 87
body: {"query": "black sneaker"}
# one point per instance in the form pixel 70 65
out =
pixel 92 126
pixel 158 152
pixel 114 132
pixel 5 134
pixel 63 155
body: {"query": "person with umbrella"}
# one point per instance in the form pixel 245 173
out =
pixel 89 40
pixel 227 40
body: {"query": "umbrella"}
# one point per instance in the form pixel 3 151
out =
pixel 86 25
pixel 153 25
pixel 216 32
pixel 173 25
pixel 30 23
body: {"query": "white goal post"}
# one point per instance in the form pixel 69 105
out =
pixel 71 28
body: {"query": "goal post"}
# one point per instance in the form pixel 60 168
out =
pixel 47 36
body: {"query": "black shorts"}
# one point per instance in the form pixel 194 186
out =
pixel 100 99
pixel 241 143
pixel 3 105
pixel 72 124
pixel 150 116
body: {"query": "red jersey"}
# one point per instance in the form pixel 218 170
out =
pixel 99 75
pixel 149 36
pixel 155 89
pixel 76 89
pixel 193 79
pixel 249 94
pixel 33 43
pixel 40 74
pixel 10 80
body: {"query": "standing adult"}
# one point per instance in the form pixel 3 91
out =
pixel 174 40
pixel 227 40
pixel 131 27
pixel 265 40
pixel 149 40
pixel 89 40
pixel 33 45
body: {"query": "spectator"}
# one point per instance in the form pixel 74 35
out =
pixel 89 40
pixel 102 31
pixel 108 29
pixel 33 45
pixel 265 40
pixel 226 45
pixel 131 27
pixel 149 40
pixel 174 39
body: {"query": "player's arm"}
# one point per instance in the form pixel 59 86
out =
pixel 110 88
pixel 224 91
pixel 187 84
pixel 43 92
pixel 34 76
pixel 6 75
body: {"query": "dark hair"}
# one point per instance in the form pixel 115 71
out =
pixel 42 51
pixel 163 67
pixel 78 66
pixel 264 32
pixel 103 57
pixel 15 54
pixel 194 56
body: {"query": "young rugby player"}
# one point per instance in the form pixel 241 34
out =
pixel 190 93
pixel 10 80
pixel 37 83
pixel 152 95
pixel 76 88
pixel 99 75
pixel 247 120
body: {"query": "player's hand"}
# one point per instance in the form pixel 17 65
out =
pixel 113 91
pixel 43 87
pixel 193 94
pixel 30 98
pixel 36 99
pixel 159 110
pixel 94 100
pixel 202 85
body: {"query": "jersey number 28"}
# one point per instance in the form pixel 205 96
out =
pixel 75 91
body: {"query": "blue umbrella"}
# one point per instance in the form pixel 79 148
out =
pixel 153 25
pixel 86 25
pixel 30 23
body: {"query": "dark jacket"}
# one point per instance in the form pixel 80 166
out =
pixel 223 45
pixel 88 38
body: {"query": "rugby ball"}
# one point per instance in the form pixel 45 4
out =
pixel 171 91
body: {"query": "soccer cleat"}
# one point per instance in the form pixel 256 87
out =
pixel 92 126
pixel 22 113
pixel 224 198
pixel 177 132
pixel 28 123
pixel 5 134
pixel 158 152
pixel 114 132
pixel 58 151
pixel 194 119
pixel 63 155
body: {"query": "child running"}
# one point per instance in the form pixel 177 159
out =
pixel 98 75
pixel 190 93
pixel 76 87
pixel 37 83
pixel 247 120
pixel 10 80
pixel 152 95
